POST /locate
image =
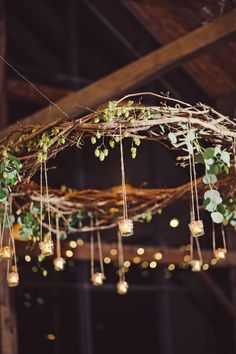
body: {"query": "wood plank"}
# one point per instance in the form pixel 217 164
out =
pixel 140 71
pixel 165 22
pixel 3 101
pixel 19 90
pixel 169 254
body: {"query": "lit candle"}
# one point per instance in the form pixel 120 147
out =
pixel 97 279
pixel 196 228
pixel 126 227
pixel 59 263
pixel 122 287
pixel 196 265
pixel 220 254
pixel 46 247
pixel 13 279
pixel 6 252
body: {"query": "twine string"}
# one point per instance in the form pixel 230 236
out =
pixel 124 195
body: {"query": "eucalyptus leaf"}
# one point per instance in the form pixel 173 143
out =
pixel 217 217
pixel 209 153
pixel 209 179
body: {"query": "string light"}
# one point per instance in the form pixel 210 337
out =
pixel 13 279
pixel 107 260
pixel 171 267
pixel 196 265
pixel 113 252
pixel 69 253
pixel 140 251
pixel 158 256
pixel 174 222
pixel 153 264
pixel 127 264
pixel 80 242
pixel 27 258
pixel 136 260
pixel 73 244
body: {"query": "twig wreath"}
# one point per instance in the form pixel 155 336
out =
pixel 200 134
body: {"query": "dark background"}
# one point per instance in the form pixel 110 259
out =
pixel 69 44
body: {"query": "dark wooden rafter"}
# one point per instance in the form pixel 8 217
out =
pixel 8 329
pixel 140 71
pixel 19 90
pixel 166 22
pixel 169 255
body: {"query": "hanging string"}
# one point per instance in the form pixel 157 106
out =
pixel 12 241
pixel 125 211
pixel 192 211
pixel 195 186
pixel 199 250
pixel 3 224
pixel 47 196
pixel 100 248
pixel 234 152
pixel 58 237
pixel 34 87
pixel 41 203
pixel 121 258
pixel 92 248
pixel 100 252
pixel 223 237
pixel 213 236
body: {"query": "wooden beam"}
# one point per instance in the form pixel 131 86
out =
pixel 165 22
pixel 169 255
pixel 3 101
pixel 21 91
pixel 142 70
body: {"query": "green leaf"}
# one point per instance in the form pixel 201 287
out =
pixel 199 158
pixel 209 179
pixel 172 138
pixel 226 169
pixel 208 153
pixel 225 156
pixel 3 194
pixel 214 169
pixel 217 217
pixel 221 209
pixel 206 201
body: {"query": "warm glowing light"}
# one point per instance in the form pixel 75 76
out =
pixel 213 261
pixel 6 252
pixel 27 258
pixel 174 222
pixel 186 258
pixel 80 242
pixel 34 269
pixel 145 265
pixel 113 251
pixel 140 251
pixel 107 260
pixel 69 253
pixel 136 260
pixel 127 264
pixel 46 247
pixel 220 254
pixel 73 244
pixel 205 266
pixel 126 227
pixel 51 337
pixel 196 228
pixel 158 256
pixel 196 265
pixel 59 263
pixel 13 279
pixel 153 264
pixel 171 267
pixel 40 300
pixel 122 287
pixel 97 279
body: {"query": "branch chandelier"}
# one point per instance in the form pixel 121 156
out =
pixel 200 134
